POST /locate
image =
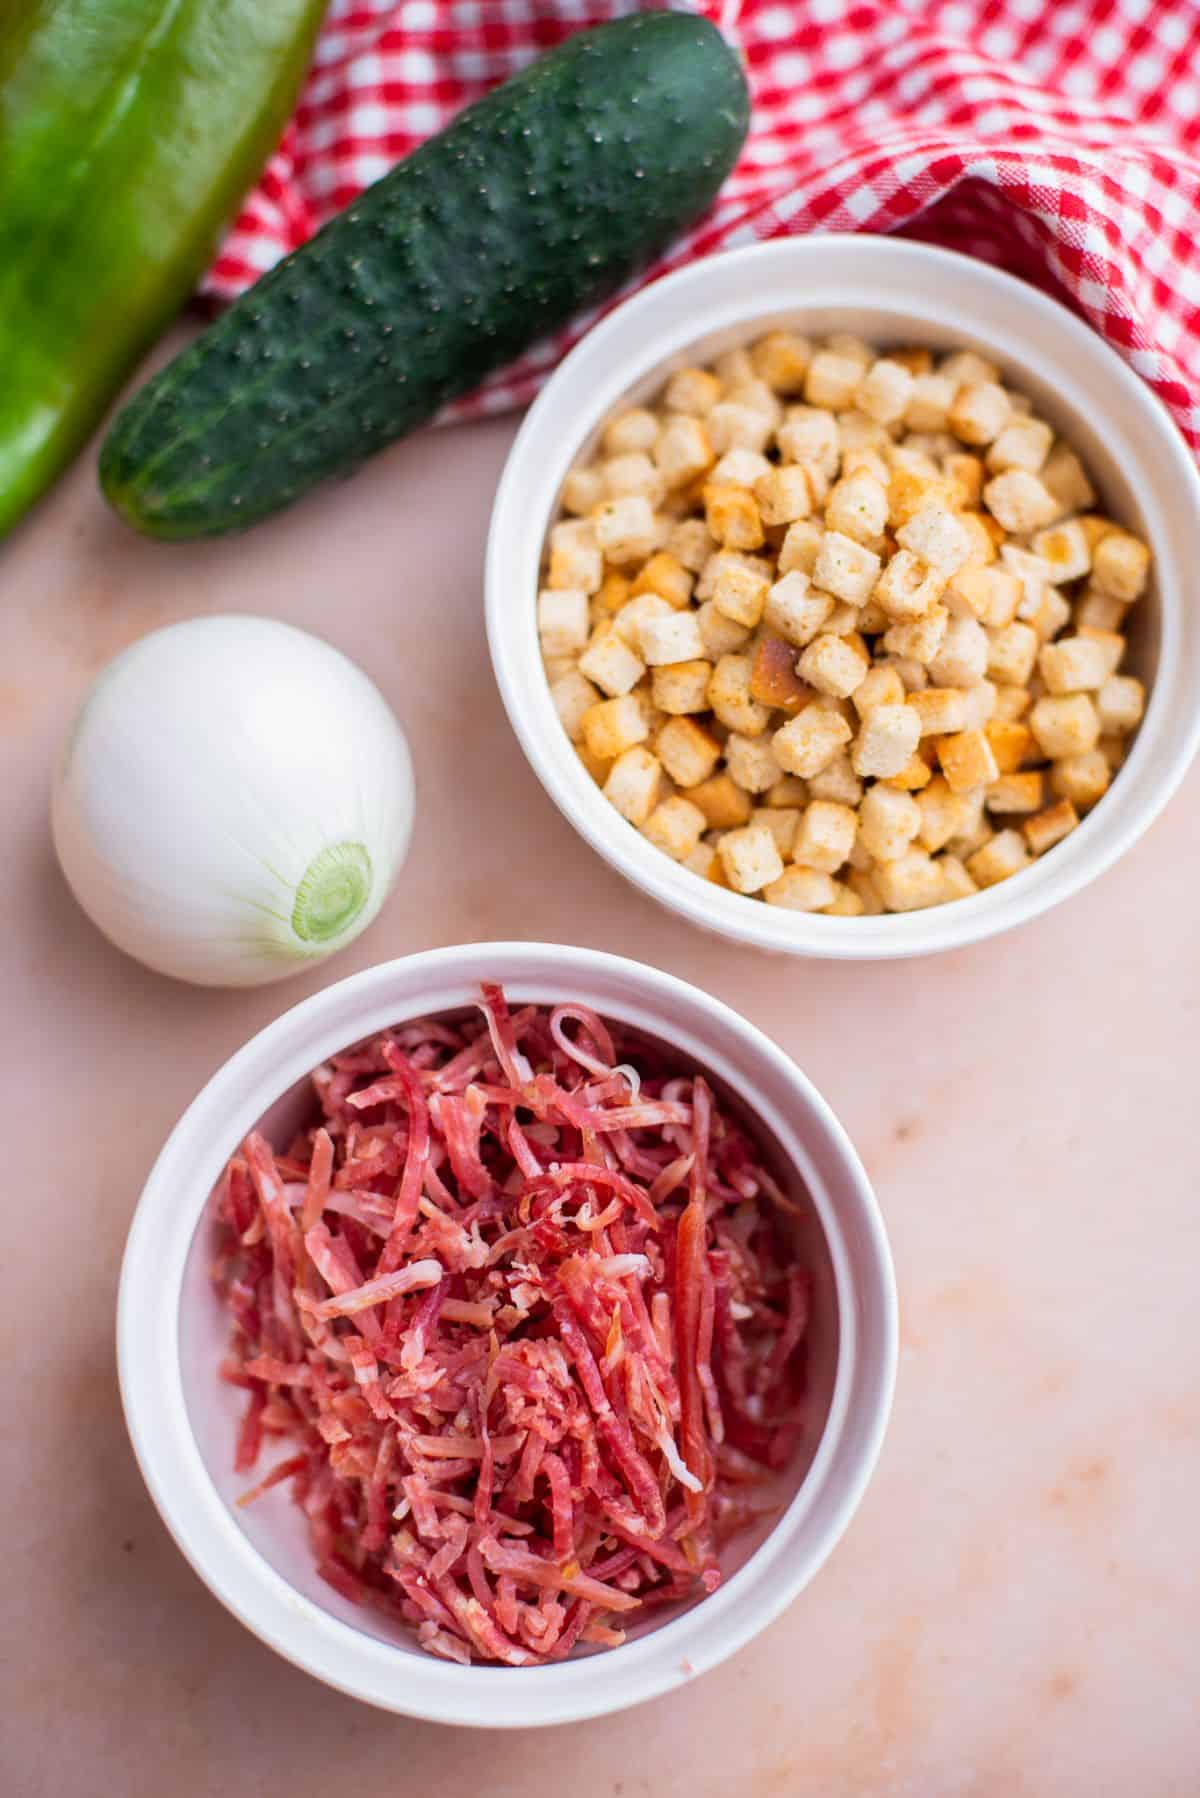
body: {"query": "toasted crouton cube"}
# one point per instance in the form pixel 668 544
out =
pixel 720 635
pixel 801 889
pixel 825 836
pixel 613 594
pixel 962 655
pixel 751 761
pixel 1064 476
pixel 845 568
pixel 809 435
pixel 1024 444
pixel 750 858
pixel 692 390
pixel 1018 501
pixel 626 529
pixel 1011 743
pixel 682 687
pixel 1050 826
pixel 917 639
pixel 573 695
pixel 675 638
pixel 1065 550
pixel 967 760
pixel 940 711
pixel 913 486
pixel 886 739
pixel 773 678
pixel 929 403
pixel 796 611
pixel 665 575
pixel 857 507
pixel 705 862
pixel 888 820
pixel 732 516
pixel 956 882
pixel 915 774
pixel 1012 652
pixel 989 595
pixel 966 471
pixel 810 740
pixel 687 751
pixel 798 551
pixel 635 429
pixel 730 698
pixel 909 882
pixel 879 686
pixel 1082 777
pixel 690 542
pixel 781 359
pixel 740 593
pixel 1120 704
pixel 831 379
pixel 1001 856
pixel 908 587
pixel 1012 703
pixel 675 827
pixel 1065 726
pixel 575 556
pixel 1099 611
pixel 682 452
pixel 980 411
pixel 1015 793
pixel 836 782
pixel 612 726
pixel 943 814
pixel 833 665
pixel 1120 565
pixel 863 459
pixel 789 790
pixel 885 390
pixel 610 662
pixel 583 490
pixel 633 784
pixel 1076 664
pixel 597 766
pixel 562 614
pixel 846 903
pixel 725 805
pixel 781 821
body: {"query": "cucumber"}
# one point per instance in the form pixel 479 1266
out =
pixel 534 203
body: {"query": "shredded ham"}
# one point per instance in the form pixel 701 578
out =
pixel 523 1304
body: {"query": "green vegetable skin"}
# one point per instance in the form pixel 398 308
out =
pixel 536 201
pixel 129 132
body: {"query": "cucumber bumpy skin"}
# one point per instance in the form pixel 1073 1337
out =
pixel 536 202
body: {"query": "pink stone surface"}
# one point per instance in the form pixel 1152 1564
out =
pixel 1016 1609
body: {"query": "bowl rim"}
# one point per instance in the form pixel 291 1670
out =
pixel 709 296
pixel 356 1662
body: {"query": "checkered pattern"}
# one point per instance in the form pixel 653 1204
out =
pixel 1058 138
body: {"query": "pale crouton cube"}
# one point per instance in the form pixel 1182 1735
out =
pixel 886 739
pixel 575 556
pixel 914 676
pixel 750 858
pixel 846 903
pixel 1012 744
pixel 682 451
pixel 720 635
pixel 976 829
pixel 691 543
pixel 888 821
pixel 740 593
pixel 785 494
pixel 740 468
pixel 634 474
pixel 705 862
pixel 725 805
pixel 967 760
pixel 980 411
pixel 981 703
pixel 759 396
pixel 1050 826
pixel 675 827
pixel 845 568
pixel 809 434
pixel 1120 565
pixel 833 665
pixel 909 882
pixel 836 781
pixel 751 761
pixel 731 425
pixel 962 655
pixel 968 366
pixel 626 529
pixel 1018 501
pixel 1064 475
pixel 1075 664
pixel 966 471
pixel 1012 653
pixel 1065 726
pixel 831 379
pixel 730 698
pixel 989 595
pixel 801 889
pixel 681 687
pixel 884 391
pixel 1015 793
pixel 879 686
pixel 857 507
pixel 848 343
pixel 858 431
pixel 943 814
pixel 732 516
pixel 687 751
pixel 628 622
pixel 1050 617
pixel 610 662
pixel 810 740
pixel 798 551
pixel 781 821
pixel 862 885
pixel 633 784
pixel 794 610
pixel 929 403
pixel 781 359
pixel 1120 704
pixel 862 459
pixel 774 681
pixel 675 638
pixel 1083 778
pixel 1065 550
pixel 583 491
pixel 908 587
pixel 612 726
pixel 562 615
pixel 635 429
pixel 1024 444
pixel 956 882
pixel 1099 611
pixel 940 711
pixel 917 639
pixel 1001 856
pixel 734 366
pixel 573 695
pixel 720 561
pixel 1012 703
pixel 692 390
pixel 825 836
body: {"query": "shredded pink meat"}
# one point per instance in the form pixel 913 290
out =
pixel 524 1306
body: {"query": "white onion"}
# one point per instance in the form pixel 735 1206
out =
pixel 235 801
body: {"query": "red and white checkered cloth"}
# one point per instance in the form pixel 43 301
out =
pixel 1058 138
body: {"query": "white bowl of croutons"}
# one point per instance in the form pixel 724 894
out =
pixel 836 593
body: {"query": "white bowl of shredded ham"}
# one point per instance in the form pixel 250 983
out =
pixel 507 1333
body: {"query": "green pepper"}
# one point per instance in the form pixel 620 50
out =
pixel 130 130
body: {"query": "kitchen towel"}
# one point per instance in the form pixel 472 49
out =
pixel 1059 139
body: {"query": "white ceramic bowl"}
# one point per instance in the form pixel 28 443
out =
pixel 172 1334
pixel 889 291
